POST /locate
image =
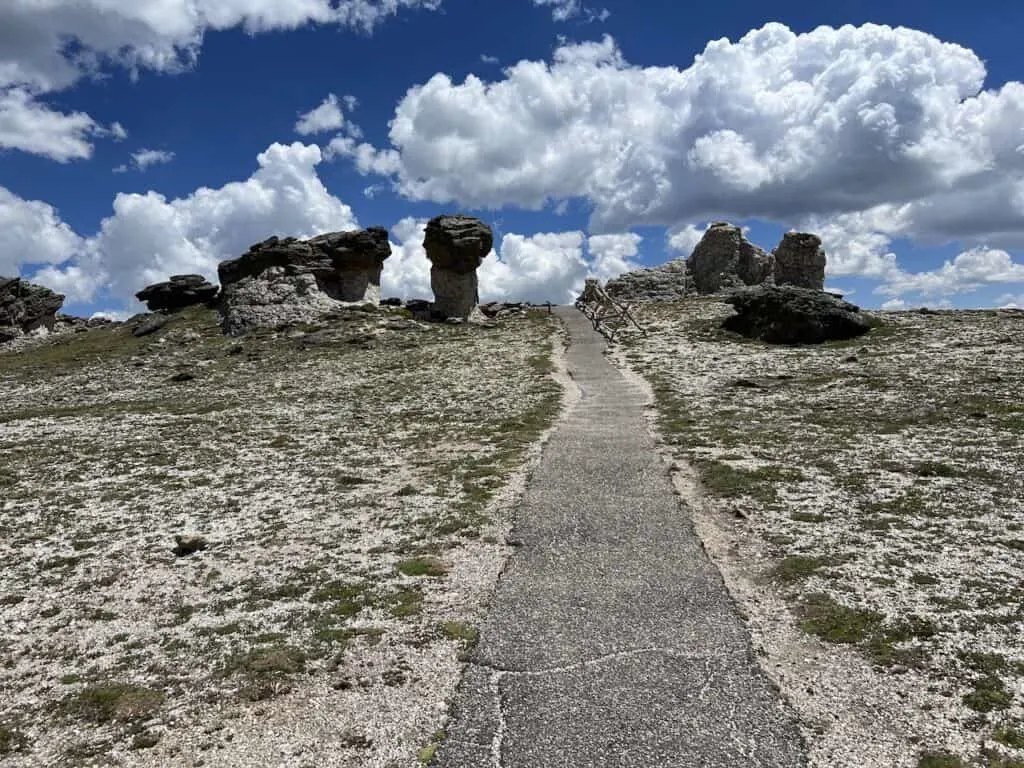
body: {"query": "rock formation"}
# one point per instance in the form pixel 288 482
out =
pixel 724 258
pixel 669 282
pixel 800 261
pixel 293 281
pixel 789 315
pixel 177 293
pixel 456 246
pixel 25 307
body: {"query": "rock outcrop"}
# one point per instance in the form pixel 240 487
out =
pixel 800 261
pixel 26 307
pixel 456 246
pixel 789 315
pixel 724 258
pixel 177 293
pixel 669 282
pixel 294 281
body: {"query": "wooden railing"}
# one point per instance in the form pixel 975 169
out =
pixel 607 315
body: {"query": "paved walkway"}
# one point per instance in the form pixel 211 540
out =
pixel 611 641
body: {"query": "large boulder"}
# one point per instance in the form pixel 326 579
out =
pixel 800 261
pixel 177 293
pixel 724 259
pixel 25 307
pixel 668 282
pixel 456 246
pixel 294 281
pixel 789 315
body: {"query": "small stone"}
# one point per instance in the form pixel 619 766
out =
pixel 187 545
pixel 183 376
pixel 150 324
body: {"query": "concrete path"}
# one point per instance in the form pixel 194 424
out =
pixel 611 641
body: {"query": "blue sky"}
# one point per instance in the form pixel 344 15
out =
pixel 142 141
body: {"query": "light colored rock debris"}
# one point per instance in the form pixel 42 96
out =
pixel 351 484
pixel 865 503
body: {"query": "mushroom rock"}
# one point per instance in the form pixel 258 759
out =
pixel 178 292
pixel 456 246
pixel 292 281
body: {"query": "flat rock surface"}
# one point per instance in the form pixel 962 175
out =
pixel 612 640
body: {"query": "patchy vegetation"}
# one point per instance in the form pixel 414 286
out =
pixel 348 482
pixel 877 487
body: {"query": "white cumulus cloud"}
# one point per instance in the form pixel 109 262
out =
pixel 144 158
pixel 967 272
pixel 149 237
pixel 48 45
pixel 329 116
pixel 777 125
pixel 31 232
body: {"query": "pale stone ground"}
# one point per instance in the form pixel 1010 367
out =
pixel 354 493
pixel 865 503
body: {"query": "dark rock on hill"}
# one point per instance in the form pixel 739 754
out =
pixel 789 315
pixel 177 293
pixel 25 307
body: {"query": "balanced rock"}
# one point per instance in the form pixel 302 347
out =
pixel 456 246
pixel 789 315
pixel 25 307
pixel 668 282
pixel 289 280
pixel 177 293
pixel 800 261
pixel 724 258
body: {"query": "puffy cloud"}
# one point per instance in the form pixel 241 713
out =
pixel 612 255
pixel 149 237
pixel 329 117
pixel 778 126
pixel 538 268
pixel 893 305
pixel 47 46
pixel 29 126
pixel 31 232
pixel 684 240
pixel 144 158
pixel 1011 301
pixel 563 10
pixel 969 271
pixel 548 266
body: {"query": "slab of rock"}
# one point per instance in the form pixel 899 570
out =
pixel 724 259
pixel 669 282
pixel 789 315
pixel 26 307
pixel 281 281
pixel 800 261
pixel 456 246
pixel 177 293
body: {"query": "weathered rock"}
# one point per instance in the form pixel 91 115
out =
pixel 724 258
pixel 26 307
pixel 188 545
pixel 789 315
pixel 668 282
pixel 177 293
pixel 456 246
pixel 148 324
pixel 800 261
pixel 295 281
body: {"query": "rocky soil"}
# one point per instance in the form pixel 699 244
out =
pixel 865 503
pixel 260 551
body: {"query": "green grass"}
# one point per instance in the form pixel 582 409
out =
pixel 110 702
pixel 422 566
